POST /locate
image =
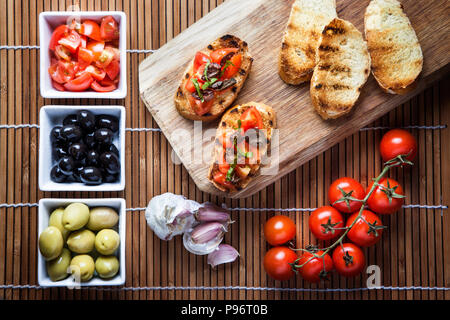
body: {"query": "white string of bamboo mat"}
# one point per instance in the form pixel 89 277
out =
pixel 406 206
pixel 34 47
pixel 244 288
pixel 31 126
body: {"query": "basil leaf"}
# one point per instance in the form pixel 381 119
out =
pixel 197 87
pixel 230 171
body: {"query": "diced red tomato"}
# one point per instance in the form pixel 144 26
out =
pixel 219 54
pixel 107 81
pixel 80 83
pixel 109 28
pixel 58 86
pixel 71 41
pixel 99 88
pixel 225 140
pixel 200 59
pixel 113 69
pixel 62 53
pixel 97 73
pixel 55 75
pixel 85 56
pixel 221 178
pixel 83 41
pixel 57 34
pixel 190 85
pixel 61 72
pixel 115 51
pixel 224 167
pixel 251 118
pixel 96 47
pixel 200 108
pixel 234 67
pixel 91 29
pixel 105 58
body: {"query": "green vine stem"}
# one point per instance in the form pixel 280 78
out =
pixel 399 160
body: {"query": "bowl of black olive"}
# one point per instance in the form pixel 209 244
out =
pixel 82 148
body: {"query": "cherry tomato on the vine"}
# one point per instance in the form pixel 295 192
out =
pixel 398 142
pixel 314 268
pixel 367 230
pixel 323 222
pixel 387 197
pixel 340 192
pixel 279 229
pixel 348 259
pixel 277 263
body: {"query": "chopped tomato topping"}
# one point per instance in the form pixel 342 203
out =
pixel 221 178
pixel 250 119
pixel 200 59
pixel 72 41
pixel 91 29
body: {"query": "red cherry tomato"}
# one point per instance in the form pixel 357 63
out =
pixel 109 28
pixel 314 268
pixel 346 186
pixel 361 233
pixel 99 88
pixel 398 142
pixel 57 34
pixel 379 199
pixel 91 29
pixel 71 41
pixel 323 220
pixel 85 57
pixel 348 259
pixel 62 53
pixel 200 59
pixel 97 73
pixel 61 71
pixel 251 118
pixel 96 47
pixel 276 263
pixel 105 58
pixel 80 83
pixel 279 230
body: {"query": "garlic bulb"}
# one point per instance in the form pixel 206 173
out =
pixel 169 215
pixel 204 238
pixel 223 254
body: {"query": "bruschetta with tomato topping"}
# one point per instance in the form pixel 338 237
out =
pixel 213 79
pixel 242 140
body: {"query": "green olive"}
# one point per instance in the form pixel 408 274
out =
pixel 81 241
pixel 107 266
pixel 76 216
pixel 51 243
pixel 55 220
pixel 57 268
pixel 102 218
pixel 82 267
pixel 107 241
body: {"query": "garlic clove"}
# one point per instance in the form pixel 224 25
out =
pixel 207 231
pixel 210 212
pixel 224 253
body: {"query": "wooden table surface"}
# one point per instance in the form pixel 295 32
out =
pixel 414 251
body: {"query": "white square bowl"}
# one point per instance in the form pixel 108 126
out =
pixel 48 21
pixel 46 207
pixel 51 116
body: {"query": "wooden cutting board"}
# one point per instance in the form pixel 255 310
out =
pixel 302 133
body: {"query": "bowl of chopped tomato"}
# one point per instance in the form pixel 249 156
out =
pixel 83 54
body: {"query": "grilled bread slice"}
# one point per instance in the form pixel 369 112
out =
pixel 223 99
pixel 343 66
pixel 393 46
pixel 229 128
pixel 301 38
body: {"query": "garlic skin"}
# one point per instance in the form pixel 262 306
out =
pixel 224 253
pixel 169 215
pixel 210 212
pixel 204 238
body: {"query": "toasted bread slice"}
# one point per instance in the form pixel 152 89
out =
pixel 343 66
pixel 223 99
pixel 301 38
pixel 393 46
pixel 227 128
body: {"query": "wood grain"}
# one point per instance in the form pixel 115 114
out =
pixel 150 171
pixel 302 132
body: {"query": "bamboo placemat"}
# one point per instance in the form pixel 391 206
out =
pixel 414 254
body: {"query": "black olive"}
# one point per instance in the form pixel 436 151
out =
pixel 77 150
pixel 110 162
pixel 59 152
pixel 91 175
pixel 110 178
pixel 71 133
pixel 77 173
pixel 227 58
pixel 93 158
pixel 110 148
pixel 57 175
pixel 222 85
pixel 213 71
pixel 208 95
pixel 66 165
pixel 86 120
pixel 89 140
pixel 71 119
pixel 55 135
pixel 104 136
pixel 108 122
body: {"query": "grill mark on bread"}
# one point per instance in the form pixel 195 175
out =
pixel 331 30
pixel 226 37
pixel 210 47
pixel 242 72
pixel 187 75
pixel 335 86
pixel 328 48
